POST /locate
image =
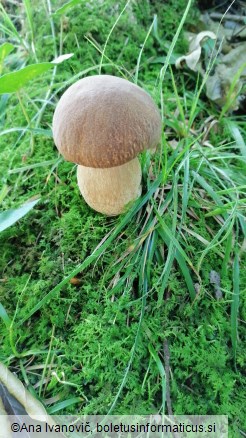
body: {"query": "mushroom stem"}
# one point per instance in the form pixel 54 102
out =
pixel 108 191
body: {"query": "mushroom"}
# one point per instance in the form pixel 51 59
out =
pixel 102 123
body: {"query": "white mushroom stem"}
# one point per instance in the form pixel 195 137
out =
pixel 108 191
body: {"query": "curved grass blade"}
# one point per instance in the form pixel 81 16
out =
pixel 162 374
pixel 9 217
pixel 236 134
pixel 176 254
pixel 67 6
pixel 110 33
pixel 169 54
pixel 98 251
pixel 142 48
pixel 38 131
pixel 235 305
pixel 64 404
pixel 5 317
pixel 226 258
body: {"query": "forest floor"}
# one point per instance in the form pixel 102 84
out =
pixel 143 312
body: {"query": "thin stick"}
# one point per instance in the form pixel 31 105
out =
pixel 218 16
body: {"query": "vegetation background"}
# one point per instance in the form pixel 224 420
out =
pixel 144 312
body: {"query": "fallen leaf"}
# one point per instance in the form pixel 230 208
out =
pixel 225 85
pixel 5 430
pixel 31 405
pixel 195 50
pixel 62 58
pixel 75 281
pixel 229 74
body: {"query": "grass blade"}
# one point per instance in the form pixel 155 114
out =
pixel 236 134
pixel 97 252
pixel 182 264
pixel 235 305
pixel 10 217
pixel 65 8
pixel 162 374
pixel 64 404
pixel 110 33
pixel 5 317
pixel 143 286
pixel 169 54
pixel 142 48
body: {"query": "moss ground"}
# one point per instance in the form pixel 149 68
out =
pixel 81 341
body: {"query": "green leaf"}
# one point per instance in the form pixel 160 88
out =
pixel 5 49
pixel 5 317
pixel 64 404
pixel 67 6
pixel 9 217
pixel 12 82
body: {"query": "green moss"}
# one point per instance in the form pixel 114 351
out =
pixel 91 331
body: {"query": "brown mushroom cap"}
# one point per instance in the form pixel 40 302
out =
pixel 105 121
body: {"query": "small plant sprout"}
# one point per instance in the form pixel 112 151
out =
pixel 102 123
